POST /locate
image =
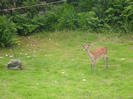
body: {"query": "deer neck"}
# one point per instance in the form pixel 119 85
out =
pixel 90 54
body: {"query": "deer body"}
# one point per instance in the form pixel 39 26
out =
pixel 96 55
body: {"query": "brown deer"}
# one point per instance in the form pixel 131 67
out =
pixel 96 55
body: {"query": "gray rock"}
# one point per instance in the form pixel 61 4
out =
pixel 14 64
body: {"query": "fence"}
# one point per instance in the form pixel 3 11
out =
pixel 36 5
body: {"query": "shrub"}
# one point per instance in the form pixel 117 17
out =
pixel 7 32
pixel 67 18
pixel 39 20
pixel 88 20
pixel 51 20
pixel 24 25
pixel 127 15
pixel 52 0
pixel 57 18
pixel 85 5
pixel 45 22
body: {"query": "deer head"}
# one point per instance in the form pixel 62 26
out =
pixel 86 47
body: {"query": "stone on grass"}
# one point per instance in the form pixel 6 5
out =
pixel 14 64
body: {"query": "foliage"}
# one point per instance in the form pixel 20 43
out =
pixel 67 17
pixel 45 22
pixel 24 25
pixel 85 6
pixel 73 2
pixel 31 11
pixel 87 20
pixel 57 18
pixel 82 14
pixel 111 12
pixel 127 15
pixel 52 0
pixel 7 32
pixel 40 20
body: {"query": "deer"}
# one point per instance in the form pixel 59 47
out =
pixel 97 54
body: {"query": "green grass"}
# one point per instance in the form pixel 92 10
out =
pixel 55 65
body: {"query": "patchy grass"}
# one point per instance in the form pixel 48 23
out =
pixel 57 67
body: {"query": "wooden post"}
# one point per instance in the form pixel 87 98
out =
pixel 45 8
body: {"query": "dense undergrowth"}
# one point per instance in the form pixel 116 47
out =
pixel 86 15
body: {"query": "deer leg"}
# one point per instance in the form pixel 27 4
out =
pixel 94 66
pixel 91 67
pixel 106 59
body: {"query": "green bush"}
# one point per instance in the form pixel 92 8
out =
pixel 67 18
pixel 7 32
pixel 82 14
pixel 71 15
pixel 127 15
pixel 24 25
pixel 45 22
pixel 52 0
pixel 51 20
pixel 85 5
pixel 88 20
pixel 57 18
pixel 40 20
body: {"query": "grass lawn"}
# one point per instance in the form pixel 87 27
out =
pixel 57 67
